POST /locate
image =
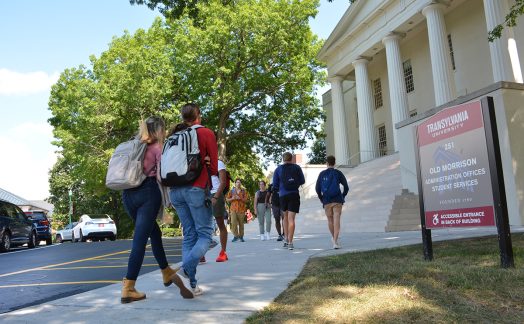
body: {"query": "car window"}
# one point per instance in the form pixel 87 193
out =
pixel 38 216
pixel 20 214
pixel 11 211
pixel 3 211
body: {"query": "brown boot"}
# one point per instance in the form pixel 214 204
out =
pixel 129 293
pixel 167 275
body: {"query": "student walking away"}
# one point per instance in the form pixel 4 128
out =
pixel 237 197
pixel 328 191
pixel 182 168
pixel 143 204
pixel 262 211
pixel 288 177
pixel 274 200
pixel 219 208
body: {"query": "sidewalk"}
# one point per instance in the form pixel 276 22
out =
pixel 256 273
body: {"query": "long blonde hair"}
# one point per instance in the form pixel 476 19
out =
pixel 152 130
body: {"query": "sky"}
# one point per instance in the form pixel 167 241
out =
pixel 39 40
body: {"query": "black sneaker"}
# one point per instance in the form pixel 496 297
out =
pixel 285 244
pixel 280 238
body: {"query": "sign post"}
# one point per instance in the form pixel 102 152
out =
pixel 460 173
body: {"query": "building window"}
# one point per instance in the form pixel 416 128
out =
pixel 377 92
pixel 413 113
pixel 451 52
pixel 382 141
pixel 408 76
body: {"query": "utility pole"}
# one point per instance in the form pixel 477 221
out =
pixel 70 205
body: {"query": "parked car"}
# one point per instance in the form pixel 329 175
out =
pixel 43 226
pixel 15 227
pixel 94 229
pixel 65 234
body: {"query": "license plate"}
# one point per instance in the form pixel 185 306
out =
pixel 100 225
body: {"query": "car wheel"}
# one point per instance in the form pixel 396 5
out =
pixel 82 238
pixel 59 239
pixel 32 241
pixel 73 240
pixel 112 238
pixel 6 242
pixel 49 241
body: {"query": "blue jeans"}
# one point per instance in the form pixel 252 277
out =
pixel 197 225
pixel 142 204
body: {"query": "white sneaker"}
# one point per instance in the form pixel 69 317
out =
pixel 336 246
pixel 262 237
pixel 197 291
pixel 182 282
pixel 267 236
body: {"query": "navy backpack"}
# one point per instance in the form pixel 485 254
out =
pixel 329 186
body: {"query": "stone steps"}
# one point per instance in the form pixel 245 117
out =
pixel 373 188
pixel 405 213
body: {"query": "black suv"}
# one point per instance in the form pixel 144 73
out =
pixel 43 226
pixel 15 227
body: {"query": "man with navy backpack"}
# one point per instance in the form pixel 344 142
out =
pixel 287 179
pixel 328 191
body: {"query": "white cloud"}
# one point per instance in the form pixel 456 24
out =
pixel 26 160
pixel 17 83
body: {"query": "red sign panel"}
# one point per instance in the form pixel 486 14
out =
pixel 454 168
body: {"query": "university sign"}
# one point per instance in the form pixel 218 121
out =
pixel 460 177
pixel 454 165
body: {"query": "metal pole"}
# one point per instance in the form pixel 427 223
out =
pixel 70 205
pixel 497 180
pixel 427 242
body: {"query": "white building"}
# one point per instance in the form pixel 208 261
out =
pixel 394 63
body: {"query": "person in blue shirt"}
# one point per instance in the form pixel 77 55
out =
pixel 288 177
pixel 328 191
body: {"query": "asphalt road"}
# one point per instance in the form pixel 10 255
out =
pixel 34 276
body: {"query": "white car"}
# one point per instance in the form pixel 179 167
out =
pixel 65 234
pixel 94 229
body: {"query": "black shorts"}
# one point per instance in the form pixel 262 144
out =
pixel 290 202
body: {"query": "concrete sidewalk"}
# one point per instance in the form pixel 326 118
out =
pixel 256 273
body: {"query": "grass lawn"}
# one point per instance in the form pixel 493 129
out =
pixel 464 283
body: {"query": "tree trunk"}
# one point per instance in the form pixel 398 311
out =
pixel 222 137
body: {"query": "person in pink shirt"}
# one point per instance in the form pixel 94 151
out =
pixel 143 204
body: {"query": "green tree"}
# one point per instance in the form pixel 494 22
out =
pixel 95 109
pixel 318 151
pixel 516 10
pixel 253 70
pixel 174 9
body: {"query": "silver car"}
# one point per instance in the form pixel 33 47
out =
pixel 66 233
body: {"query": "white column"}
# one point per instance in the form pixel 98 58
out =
pixel 443 81
pixel 501 59
pixel 366 125
pixel 397 87
pixel 340 131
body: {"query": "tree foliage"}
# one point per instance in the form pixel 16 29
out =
pixel 95 109
pixel 516 10
pixel 318 151
pixel 251 67
pixel 253 70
